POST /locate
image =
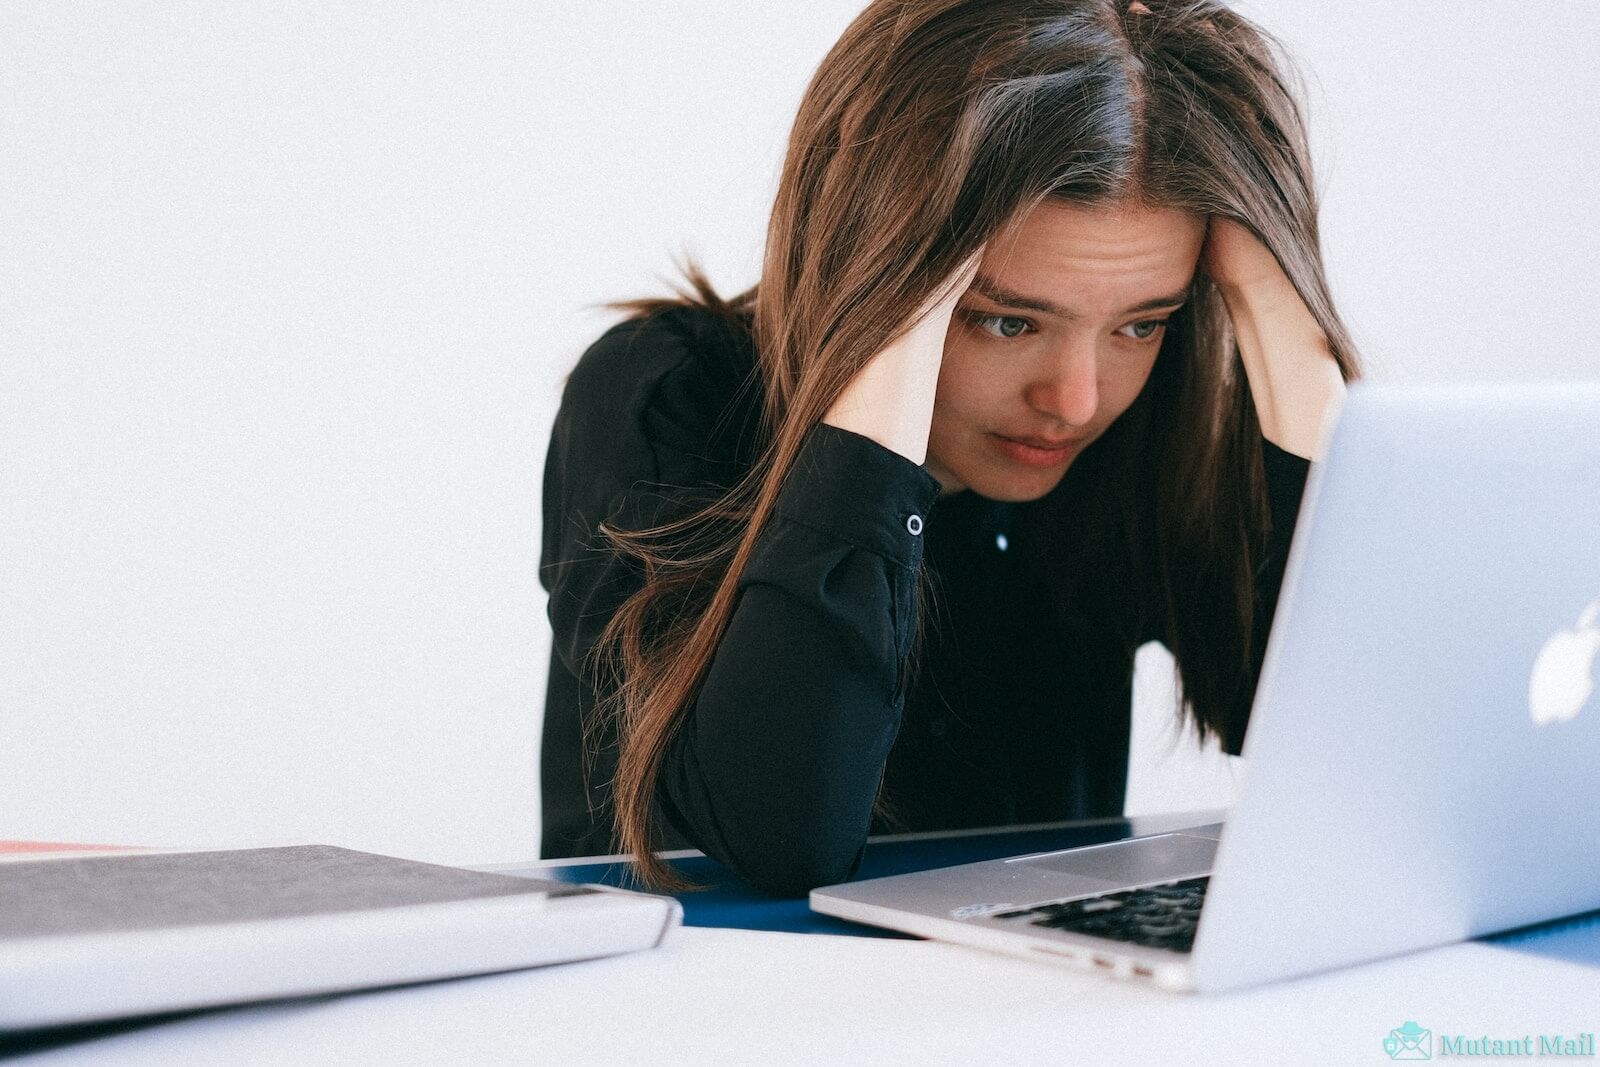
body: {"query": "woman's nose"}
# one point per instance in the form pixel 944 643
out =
pixel 1070 392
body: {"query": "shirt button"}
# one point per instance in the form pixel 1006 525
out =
pixel 914 524
pixel 1001 542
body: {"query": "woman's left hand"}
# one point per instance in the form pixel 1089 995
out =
pixel 1236 260
pixel 1294 379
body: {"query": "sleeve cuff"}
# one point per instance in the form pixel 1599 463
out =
pixel 1286 475
pixel 860 491
pixel 1277 459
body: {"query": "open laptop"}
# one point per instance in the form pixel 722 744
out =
pixel 1422 752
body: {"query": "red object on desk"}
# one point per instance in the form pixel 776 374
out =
pixel 56 846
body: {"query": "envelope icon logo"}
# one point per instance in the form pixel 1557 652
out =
pixel 1409 1042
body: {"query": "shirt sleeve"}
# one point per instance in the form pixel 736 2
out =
pixel 1286 475
pixel 774 768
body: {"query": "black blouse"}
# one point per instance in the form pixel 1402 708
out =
pixel 1018 709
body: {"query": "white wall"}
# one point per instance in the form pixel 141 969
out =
pixel 287 292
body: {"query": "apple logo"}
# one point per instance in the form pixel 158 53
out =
pixel 1563 672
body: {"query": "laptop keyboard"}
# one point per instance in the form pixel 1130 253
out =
pixel 1160 916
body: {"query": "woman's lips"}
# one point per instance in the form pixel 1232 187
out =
pixel 1029 453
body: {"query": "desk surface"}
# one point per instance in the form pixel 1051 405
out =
pixel 737 984
pixel 726 902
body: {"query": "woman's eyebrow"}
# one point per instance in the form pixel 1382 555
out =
pixel 987 287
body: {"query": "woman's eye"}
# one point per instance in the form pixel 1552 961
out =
pixel 1144 331
pixel 1008 326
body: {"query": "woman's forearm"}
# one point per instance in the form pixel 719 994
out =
pixel 891 400
pixel 1294 379
pixel 778 761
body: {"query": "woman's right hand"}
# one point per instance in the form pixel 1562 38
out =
pixel 891 399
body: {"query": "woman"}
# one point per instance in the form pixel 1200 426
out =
pixel 1040 353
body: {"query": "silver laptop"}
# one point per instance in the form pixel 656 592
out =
pixel 1422 752
pixel 86 937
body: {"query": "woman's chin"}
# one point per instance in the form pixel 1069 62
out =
pixel 1012 486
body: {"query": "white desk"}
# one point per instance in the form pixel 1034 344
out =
pixel 730 996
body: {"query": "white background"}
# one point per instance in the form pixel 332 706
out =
pixel 287 292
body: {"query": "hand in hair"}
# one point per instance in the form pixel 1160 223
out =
pixel 1294 379
pixel 1235 259
pixel 890 400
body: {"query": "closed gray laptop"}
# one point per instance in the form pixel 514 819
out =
pixel 1420 763
pixel 92 937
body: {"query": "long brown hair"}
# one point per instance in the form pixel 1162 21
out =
pixel 929 128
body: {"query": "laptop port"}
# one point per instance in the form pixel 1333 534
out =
pixel 1077 958
pixel 1101 961
pixel 1143 971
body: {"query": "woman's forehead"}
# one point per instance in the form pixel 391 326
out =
pixel 1116 229
pixel 1115 251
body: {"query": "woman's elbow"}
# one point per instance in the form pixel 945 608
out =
pixel 790 869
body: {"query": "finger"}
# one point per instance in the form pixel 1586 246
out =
pixel 953 287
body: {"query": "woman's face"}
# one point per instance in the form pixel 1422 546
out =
pixel 1054 341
